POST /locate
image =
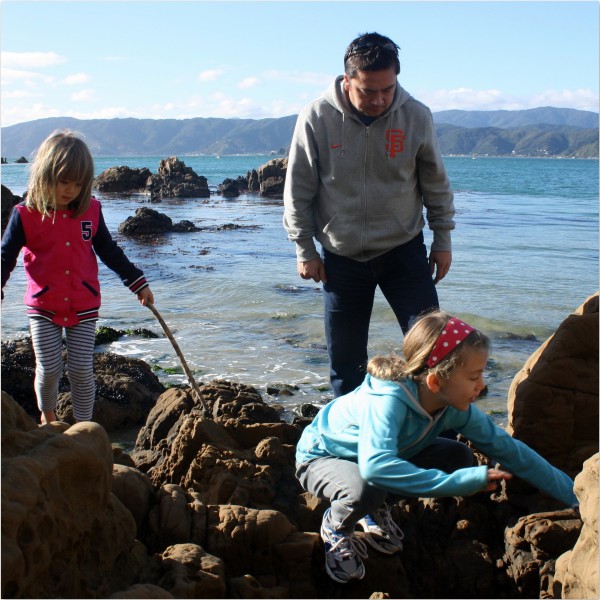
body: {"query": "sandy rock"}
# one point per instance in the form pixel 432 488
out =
pixel 59 516
pixel 216 457
pixel 534 544
pixel 557 391
pixel 190 572
pixel 134 489
pixel 178 516
pixel 577 570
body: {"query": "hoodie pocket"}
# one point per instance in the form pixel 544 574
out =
pixel 90 288
pixel 343 232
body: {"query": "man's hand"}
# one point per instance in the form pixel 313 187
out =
pixel 312 269
pixel 439 263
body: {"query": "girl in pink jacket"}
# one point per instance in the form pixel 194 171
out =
pixel 61 229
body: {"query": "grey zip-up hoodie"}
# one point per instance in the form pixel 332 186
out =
pixel 360 190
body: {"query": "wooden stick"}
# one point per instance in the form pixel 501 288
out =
pixel 179 354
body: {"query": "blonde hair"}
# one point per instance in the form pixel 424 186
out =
pixel 61 156
pixel 418 343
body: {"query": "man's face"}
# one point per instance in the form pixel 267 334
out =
pixel 371 92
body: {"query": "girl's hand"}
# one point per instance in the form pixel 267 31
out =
pixel 495 475
pixel 146 296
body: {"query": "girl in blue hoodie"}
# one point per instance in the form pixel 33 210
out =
pixel 384 438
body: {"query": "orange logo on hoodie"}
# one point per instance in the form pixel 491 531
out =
pixel 395 141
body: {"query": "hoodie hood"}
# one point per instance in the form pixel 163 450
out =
pixel 336 96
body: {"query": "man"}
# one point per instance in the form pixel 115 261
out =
pixel 364 163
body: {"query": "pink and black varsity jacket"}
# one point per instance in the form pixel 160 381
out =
pixel 60 262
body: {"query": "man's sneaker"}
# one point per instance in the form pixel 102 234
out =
pixel 381 531
pixel 343 553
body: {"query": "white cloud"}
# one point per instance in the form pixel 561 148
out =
pixel 83 95
pixel 210 74
pixel 26 112
pixel 108 112
pixel 76 79
pixel 30 77
pixel 31 60
pixel 19 95
pixel 583 99
pixel 469 99
pixel 248 82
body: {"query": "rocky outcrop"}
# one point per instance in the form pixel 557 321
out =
pixel 557 391
pixel 207 505
pixel 126 388
pixel 268 179
pixel 122 179
pixel 271 177
pixel 175 180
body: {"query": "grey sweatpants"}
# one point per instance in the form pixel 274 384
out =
pixel 351 497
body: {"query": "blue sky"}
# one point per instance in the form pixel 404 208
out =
pixel 249 59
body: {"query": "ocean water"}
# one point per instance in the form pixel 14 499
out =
pixel 525 256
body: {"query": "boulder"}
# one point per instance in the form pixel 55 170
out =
pixel 146 221
pixel 64 534
pixel 557 391
pixel 122 179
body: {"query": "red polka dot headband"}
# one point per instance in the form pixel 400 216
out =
pixel 453 333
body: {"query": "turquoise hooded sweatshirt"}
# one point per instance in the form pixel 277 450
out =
pixel 381 425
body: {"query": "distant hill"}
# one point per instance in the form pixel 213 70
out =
pixel 157 137
pixel 536 132
pixel 530 141
pixel 508 119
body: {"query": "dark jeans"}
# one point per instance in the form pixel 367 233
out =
pixel 404 278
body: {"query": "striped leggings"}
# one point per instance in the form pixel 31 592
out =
pixel 46 338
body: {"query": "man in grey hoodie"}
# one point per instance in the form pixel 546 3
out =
pixel 364 165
